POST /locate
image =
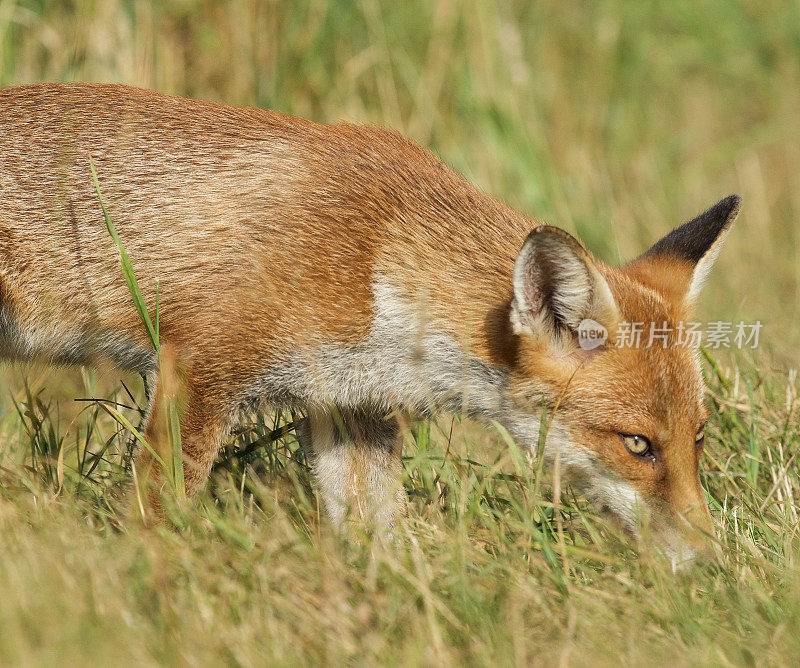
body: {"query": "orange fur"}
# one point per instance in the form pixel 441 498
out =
pixel 287 253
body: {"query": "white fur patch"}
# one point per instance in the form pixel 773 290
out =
pixel 75 346
pixel 703 268
pixel 331 466
pixel 404 362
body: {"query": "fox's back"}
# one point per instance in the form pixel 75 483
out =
pixel 258 227
pixel 195 191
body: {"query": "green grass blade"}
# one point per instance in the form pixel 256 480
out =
pixel 127 268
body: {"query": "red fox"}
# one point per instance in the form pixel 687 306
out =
pixel 344 270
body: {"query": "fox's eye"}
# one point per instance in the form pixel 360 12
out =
pixel 700 438
pixel 637 445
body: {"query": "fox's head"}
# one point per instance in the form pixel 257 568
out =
pixel 628 416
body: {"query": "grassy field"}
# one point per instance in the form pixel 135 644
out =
pixel 614 120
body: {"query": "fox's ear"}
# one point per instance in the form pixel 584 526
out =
pixel 697 243
pixel 557 285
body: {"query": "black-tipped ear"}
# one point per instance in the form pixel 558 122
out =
pixel 699 241
pixel 557 285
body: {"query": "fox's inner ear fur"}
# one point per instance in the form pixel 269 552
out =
pixel 697 242
pixel 557 285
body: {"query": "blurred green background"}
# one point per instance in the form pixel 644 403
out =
pixel 615 120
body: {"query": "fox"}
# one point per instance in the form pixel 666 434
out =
pixel 347 272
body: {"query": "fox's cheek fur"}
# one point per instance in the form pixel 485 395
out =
pixel 570 451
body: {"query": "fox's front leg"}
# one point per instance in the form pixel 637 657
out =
pixel 356 459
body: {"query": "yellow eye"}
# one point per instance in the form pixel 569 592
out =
pixel 700 438
pixel 636 444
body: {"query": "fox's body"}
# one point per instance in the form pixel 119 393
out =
pixel 273 239
pixel 338 268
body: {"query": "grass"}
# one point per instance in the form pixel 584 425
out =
pixel 479 574
pixel 612 120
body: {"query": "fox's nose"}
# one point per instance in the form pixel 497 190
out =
pixel 697 530
pixel 687 539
